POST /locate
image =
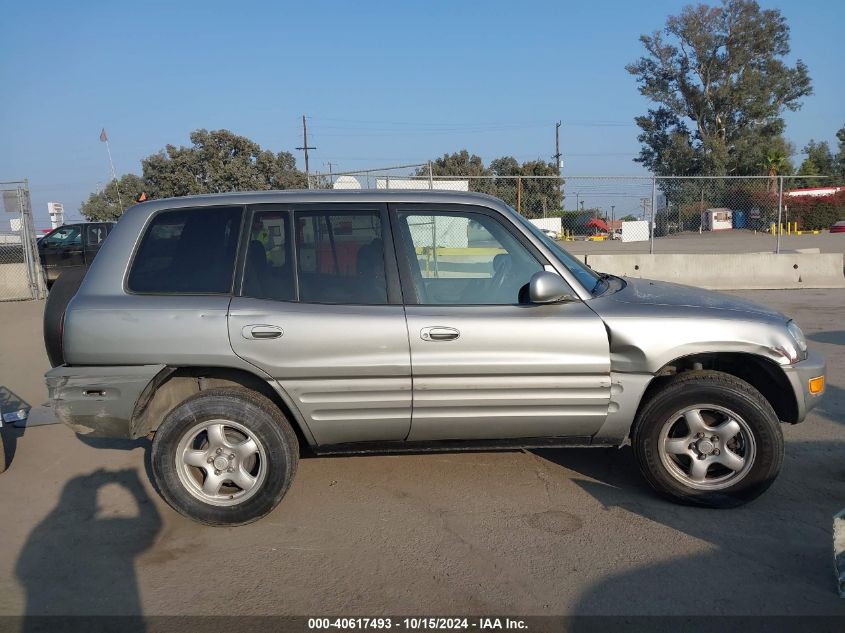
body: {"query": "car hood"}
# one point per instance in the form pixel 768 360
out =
pixel 663 293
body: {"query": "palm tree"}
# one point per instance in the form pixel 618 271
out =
pixel 774 164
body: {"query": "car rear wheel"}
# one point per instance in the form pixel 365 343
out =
pixel 224 457
pixel 710 439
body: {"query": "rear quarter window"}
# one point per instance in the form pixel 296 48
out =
pixel 189 251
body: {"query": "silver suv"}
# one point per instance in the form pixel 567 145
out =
pixel 234 328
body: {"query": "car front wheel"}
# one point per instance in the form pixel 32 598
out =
pixel 224 457
pixel 710 439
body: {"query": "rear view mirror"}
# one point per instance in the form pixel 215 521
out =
pixel 546 287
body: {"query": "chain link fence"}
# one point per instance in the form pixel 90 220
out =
pixel 633 214
pixel 21 277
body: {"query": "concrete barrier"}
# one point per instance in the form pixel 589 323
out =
pixel 730 271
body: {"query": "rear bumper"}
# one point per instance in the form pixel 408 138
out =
pixel 98 401
pixel 799 376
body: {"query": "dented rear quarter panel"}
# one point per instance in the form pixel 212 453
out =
pixel 98 400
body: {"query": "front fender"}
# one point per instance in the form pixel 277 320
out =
pixel 645 345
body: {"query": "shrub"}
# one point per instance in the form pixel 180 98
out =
pixel 817 212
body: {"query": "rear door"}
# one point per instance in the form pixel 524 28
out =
pixel 320 310
pixel 486 363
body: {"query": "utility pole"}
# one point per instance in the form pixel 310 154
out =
pixel 557 147
pixel 646 202
pixel 612 214
pixel 557 162
pixel 305 147
pixel 331 178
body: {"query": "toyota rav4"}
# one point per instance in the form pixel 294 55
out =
pixel 233 328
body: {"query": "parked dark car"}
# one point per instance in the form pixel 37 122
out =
pixel 70 246
pixel 838 227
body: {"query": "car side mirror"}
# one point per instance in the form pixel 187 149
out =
pixel 546 287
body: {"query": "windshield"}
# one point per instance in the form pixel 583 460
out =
pixel 585 275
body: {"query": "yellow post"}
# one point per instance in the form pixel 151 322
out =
pixel 772 228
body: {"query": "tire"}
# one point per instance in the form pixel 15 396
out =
pixel 61 292
pixel 672 448
pixel 190 436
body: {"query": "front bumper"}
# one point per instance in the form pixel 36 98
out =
pixel 799 376
pixel 98 401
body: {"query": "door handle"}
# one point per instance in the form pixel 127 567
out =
pixel 439 333
pixel 262 332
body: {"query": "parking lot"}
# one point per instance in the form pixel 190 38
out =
pixel 740 241
pixel 542 532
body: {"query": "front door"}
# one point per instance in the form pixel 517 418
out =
pixel 61 249
pixel 486 363
pixel 320 311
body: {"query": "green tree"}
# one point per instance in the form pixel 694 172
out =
pixel 216 161
pixel 775 164
pixel 840 156
pixel 107 205
pixel 539 195
pixel 507 168
pixel 819 162
pixel 720 84
pixel 462 163
pixel 219 161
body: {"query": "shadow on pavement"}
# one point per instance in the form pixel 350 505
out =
pixel 80 560
pixel 834 337
pixel 119 444
pixel 773 555
pixel 9 403
pixel 832 405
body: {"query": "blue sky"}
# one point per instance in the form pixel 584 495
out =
pixel 382 83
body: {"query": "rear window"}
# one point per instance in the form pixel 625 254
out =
pixel 340 257
pixel 188 251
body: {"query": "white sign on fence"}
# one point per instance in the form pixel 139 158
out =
pixel 15 224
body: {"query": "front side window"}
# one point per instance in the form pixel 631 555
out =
pixel 465 258
pixel 585 275
pixel 64 236
pixel 188 251
pixel 340 257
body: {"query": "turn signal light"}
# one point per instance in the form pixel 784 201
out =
pixel 816 385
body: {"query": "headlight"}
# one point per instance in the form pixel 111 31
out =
pixel 798 352
pixel 798 336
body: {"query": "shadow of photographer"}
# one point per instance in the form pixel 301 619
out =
pixel 80 560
